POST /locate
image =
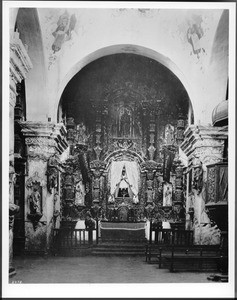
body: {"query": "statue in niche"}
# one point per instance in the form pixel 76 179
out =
pixel 52 179
pixel 80 194
pixel 81 137
pixel 169 134
pixel 123 185
pixel 96 184
pixel 150 195
pixel 35 201
pixel 167 194
pixel 125 124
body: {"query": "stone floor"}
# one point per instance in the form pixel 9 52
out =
pixel 92 269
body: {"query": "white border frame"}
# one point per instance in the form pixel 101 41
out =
pixel 212 290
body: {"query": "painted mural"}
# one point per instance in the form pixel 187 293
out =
pixel 65 25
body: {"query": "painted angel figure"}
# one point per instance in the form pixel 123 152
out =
pixel 63 30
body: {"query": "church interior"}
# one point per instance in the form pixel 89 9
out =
pixel 118 131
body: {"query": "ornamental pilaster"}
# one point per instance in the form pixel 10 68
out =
pixel 19 66
pixel 149 168
pixel 97 168
pixel 205 144
pixel 43 139
pixel 20 62
pixel 45 142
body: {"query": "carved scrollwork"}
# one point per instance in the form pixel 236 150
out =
pixel 35 178
pixel 211 184
pixel 198 177
pixel 164 214
pixel 97 165
pixel 150 166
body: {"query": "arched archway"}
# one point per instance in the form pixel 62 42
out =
pixel 123 104
pixel 220 57
pixel 129 49
pixel 25 25
pixel 28 25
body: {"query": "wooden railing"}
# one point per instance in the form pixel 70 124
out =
pixel 67 238
pixel 171 236
pixel 161 240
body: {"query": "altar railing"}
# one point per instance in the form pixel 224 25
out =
pixel 67 239
pixel 171 237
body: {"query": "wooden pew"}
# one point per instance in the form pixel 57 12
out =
pixel 194 258
pixel 164 239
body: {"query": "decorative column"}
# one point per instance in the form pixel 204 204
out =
pixel 97 168
pixel 71 134
pixel 45 142
pixel 149 168
pixel 20 64
pixel 152 129
pixel 180 130
pixel 98 133
pixel 203 145
pixel 178 203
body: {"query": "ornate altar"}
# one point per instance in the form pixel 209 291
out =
pixel 129 159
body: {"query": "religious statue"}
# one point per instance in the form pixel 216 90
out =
pixel 80 194
pixel 81 136
pixel 35 202
pixel 167 194
pixel 123 185
pixel 169 134
pixel 125 125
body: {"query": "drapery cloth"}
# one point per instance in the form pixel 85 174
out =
pixel 131 178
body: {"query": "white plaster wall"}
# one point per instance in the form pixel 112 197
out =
pixel 160 34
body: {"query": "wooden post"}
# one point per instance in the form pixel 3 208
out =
pixel 160 250
pixel 97 231
pixel 172 233
pixel 172 259
pixel 200 265
pixel 150 236
pixel 90 235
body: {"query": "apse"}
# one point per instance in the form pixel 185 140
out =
pixel 117 95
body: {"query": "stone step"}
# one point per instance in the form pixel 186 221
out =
pixel 124 242
pixel 118 246
pixel 119 250
pixel 116 253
